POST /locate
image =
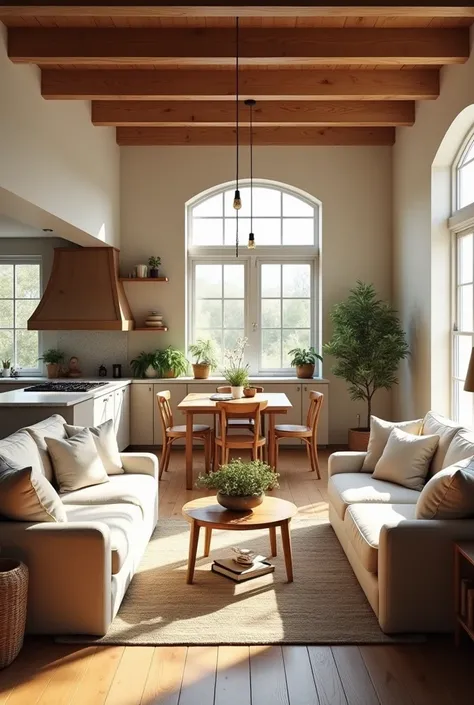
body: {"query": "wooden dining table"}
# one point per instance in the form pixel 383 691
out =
pixel 277 403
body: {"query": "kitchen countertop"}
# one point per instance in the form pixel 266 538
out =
pixel 18 397
pixel 221 380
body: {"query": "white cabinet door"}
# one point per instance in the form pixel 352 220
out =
pixel 323 424
pixel 293 415
pixel 103 408
pixel 141 414
pixel 122 417
pixel 178 391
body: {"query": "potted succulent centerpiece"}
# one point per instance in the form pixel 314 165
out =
pixel 204 353
pixel 146 364
pixel 240 485
pixel 53 359
pixel 236 372
pixel 368 344
pixel 172 362
pixel 6 364
pixel 304 359
pixel 154 265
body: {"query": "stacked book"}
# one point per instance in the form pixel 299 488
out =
pixel 238 572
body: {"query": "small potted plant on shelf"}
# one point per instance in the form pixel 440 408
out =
pixel 6 367
pixel 146 364
pixel 154 264
pixel 240 485
pixel 53 359
pixel 172 362
pixel 235 372
pixel 304 359
pixel 204 352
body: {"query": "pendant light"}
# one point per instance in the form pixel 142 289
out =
pixel 251 104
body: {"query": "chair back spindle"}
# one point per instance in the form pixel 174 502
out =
pixel 164 408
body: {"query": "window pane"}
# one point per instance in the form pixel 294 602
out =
pixel 465 307
pixel 271 313
pixel 469 154
pixel 294 339
pixel 244 212
pixel 465 260
pixel 271 280
pixel 466 185
pixel 267 231
pixel 24 311
pixel 208 281
pixel 27 281
pixel 298 231
pixel 233 313
pixel 208 313
pixel 211 207
pixel 207 232
pixel 230 230
pixel 296 280
pixel 462 347
pixel 295 207
pixel 234 281
pixel 266 202
pixel 271 349
pixel 296 313
pixel 6 345
pixel 464 405
pixel 6 281
pixel 214 335
pixel 6 314
pixel 230 338
pixel 27 348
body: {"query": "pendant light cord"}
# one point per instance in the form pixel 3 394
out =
pixel 251 170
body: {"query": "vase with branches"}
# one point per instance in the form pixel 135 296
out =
pixel 235 371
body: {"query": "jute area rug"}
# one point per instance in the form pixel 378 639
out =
pixel 324 604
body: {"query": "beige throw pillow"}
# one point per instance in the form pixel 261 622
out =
pixel 379 432
pixel 449 494
pixel 406 459
pixel 76 462
pixel 26 495
pixel 106 442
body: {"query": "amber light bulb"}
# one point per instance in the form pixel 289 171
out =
pixel 251 242
pixel 237 202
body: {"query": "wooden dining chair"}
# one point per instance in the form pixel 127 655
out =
pixel 238 421
pixel 307 434
pixel 226 442
pixel 172 432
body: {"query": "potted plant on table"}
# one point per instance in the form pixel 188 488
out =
pixel 304 360
pixel 368 343
pixel 53 358
pixel 6 364
pixel 235 372
pixel 154 264
pixel 204 352
pixel 146 364
pixel 240 485
pixel 172 362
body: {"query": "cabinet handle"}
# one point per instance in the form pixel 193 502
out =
pixel 306 389
pixel 298 389
pixel 149 389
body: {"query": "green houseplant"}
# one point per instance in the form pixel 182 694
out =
pixel 235 371
pixel 146 364
pixel 53 358
pixel 154 264
pixel 6 364
pixel 172 362
pixel 240 485
pixel 368 343
pixel 304 359
pixel 204 353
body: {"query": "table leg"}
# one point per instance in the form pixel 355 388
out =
pixel 271 440
pixel 273 540
pixel 193 544
pixel 207 541
pixel 286 541
pixel 189 450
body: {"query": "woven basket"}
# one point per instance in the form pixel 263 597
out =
pixel 13 600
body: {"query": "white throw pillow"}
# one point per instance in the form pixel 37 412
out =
pixel 379 432
pixel 106 442
pixel 406 459
pixel 460 448
pixel 76 462
pixel 26 495
pixel 449 494
pixel 435 424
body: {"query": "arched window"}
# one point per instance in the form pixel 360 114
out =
pixel 465 176
pixel 268 294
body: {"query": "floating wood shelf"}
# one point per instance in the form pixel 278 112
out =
pixel 144 279
pixel 150 329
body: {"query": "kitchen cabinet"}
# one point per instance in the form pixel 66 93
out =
pixel 178 392
pixel 103 408
pixel 323 424
pixel 142 409
pixel 122 417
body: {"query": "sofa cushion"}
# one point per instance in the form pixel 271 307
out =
pixel 106 442
pixel 123 520
pixel 356 488
pixel 121 489
pixel 20 451
pixel 363 524
pixel 406 459
pixel 437 425
pixel 53 427
pixel 76 461
pixel 379 434
pixel 449 494
pixel 26 495
pixel 460 448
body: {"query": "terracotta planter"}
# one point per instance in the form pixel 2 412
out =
pixel 250 392
pixel 240 504
pixel 305 371
pixel 201 371
pixel 169 374
pixel 53 369
pixel 359 439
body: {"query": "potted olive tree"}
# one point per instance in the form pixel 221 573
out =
pixel 204 353
pixel 368 343
pixel 305 361
pixel 240 485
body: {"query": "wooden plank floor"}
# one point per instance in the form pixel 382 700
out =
pixel 434 673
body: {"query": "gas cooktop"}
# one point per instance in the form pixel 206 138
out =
pixel 65 387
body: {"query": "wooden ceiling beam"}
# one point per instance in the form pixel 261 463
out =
pixel 220 85
pixel 222 114
pixel 262 136
pixel 212 46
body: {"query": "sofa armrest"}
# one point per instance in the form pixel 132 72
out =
pixel 345 461
pixel 415 571
pixel 70 568
pixel 140 463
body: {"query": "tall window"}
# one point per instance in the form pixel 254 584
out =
pixel 20 290
pixel 270 294
pixel 465 176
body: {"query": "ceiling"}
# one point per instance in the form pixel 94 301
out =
pixel 13 228
pixel 323 73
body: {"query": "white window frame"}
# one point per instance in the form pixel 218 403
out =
pixel 253 259
pixel 458 166
pixel 18 260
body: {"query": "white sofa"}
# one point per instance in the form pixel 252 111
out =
pixel 79 570
pixel 403 564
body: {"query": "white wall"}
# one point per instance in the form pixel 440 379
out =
pixel 421 266
pixel 353 184
pixel 51 156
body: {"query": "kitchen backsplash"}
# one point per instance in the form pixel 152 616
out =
pixel 95 348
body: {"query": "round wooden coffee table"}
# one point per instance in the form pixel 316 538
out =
pixel 206 512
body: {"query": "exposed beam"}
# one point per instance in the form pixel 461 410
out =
pixel 263 136
pixel 220 85
pixel 220 114
pixel 211 46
